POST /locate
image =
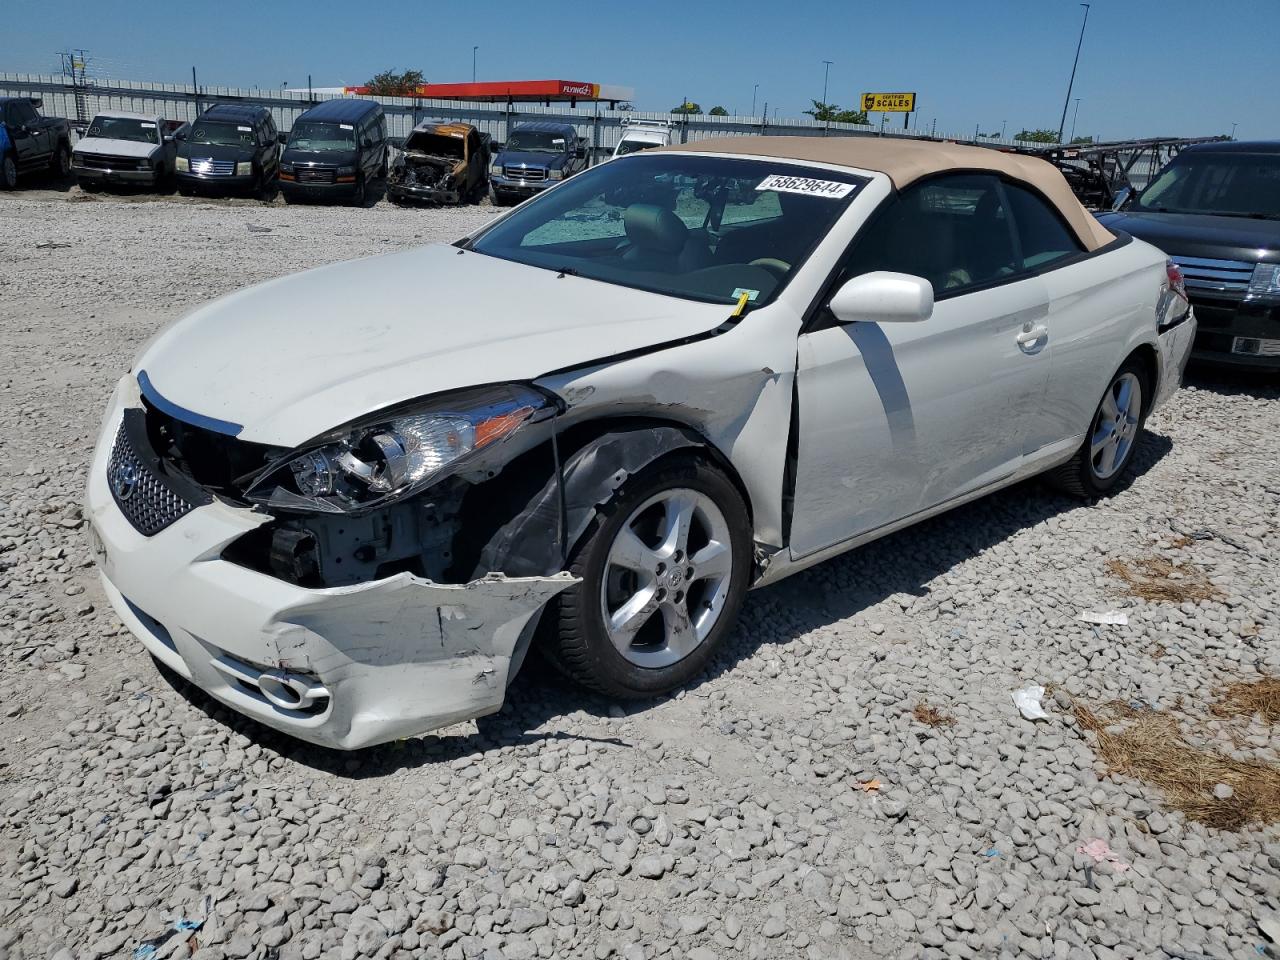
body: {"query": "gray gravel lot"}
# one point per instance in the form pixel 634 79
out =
pixel 793 803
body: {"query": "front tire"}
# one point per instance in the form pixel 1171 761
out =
pixel 358 198
pixel 1106 457
pixel 664 569
pixel 8 172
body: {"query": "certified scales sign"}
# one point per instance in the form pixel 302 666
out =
pixel 889 102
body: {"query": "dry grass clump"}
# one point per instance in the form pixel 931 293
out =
pixel 931 716
pixel 1245 699
pixel 1151 748
pixel 1157 579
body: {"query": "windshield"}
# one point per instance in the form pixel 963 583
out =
pixel 309 135
pixel 536 141
pixel 635 146
pixel 1224 184
pixel 436 145
pixel 222 134
pixel 124 128
pixel 701 228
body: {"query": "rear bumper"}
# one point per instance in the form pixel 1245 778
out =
pixel 1175 351
pixel 1221 322
pixel 343 667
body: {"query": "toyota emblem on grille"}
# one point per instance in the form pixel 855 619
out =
pixel 124 480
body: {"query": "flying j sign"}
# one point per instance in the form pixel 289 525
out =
pixel 889 102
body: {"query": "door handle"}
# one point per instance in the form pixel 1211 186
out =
pixel 1032 335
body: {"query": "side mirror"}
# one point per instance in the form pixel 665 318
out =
pixel 180 135
pixel 282 138
pixel 367 143
pixel 1123 196
pixel 580 153
pixel 883 297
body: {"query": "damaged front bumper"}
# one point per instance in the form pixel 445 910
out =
pixel 425 194
pixel 343 667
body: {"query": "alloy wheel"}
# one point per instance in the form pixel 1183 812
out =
pixel 666 577
pixel 1116 426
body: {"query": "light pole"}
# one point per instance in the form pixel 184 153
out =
pixel 755 89
pixel 1073 119
pixel 1233 130
pixel 1003 124
pixel 826 70
pixel 473 63
pixel 1071 83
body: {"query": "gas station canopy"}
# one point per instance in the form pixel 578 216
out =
pixel 526 91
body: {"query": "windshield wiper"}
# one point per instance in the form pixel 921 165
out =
pixel 566 272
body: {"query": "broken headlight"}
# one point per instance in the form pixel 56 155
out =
pixel 396 453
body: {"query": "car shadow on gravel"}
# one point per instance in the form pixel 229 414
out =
pixel 902 563
pixel 1234 381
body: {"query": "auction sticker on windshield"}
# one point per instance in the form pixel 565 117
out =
pixel 780 183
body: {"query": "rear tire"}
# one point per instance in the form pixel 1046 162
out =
pixel 60 163
pixel 1105 458
pixel 634 558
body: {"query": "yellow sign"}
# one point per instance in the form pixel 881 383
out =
pixel 889 102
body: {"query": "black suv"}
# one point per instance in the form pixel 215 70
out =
pixel 1215 209
pixel 334 150
pixel 231 148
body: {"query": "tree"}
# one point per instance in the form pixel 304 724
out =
pixel 718 112
pixel 388 83
pixel 687 107
pixel 832 113
pixel 1036 136
pixel 1082 139
pixel 625 105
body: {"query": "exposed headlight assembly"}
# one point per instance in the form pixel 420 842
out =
pixel 1265 281
pixel 397 453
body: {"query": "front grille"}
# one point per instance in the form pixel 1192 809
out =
pixel 213 168
pixel 144 498
pixel 1221 279
pixel 530 174
pixel 101 161
pixel 314 174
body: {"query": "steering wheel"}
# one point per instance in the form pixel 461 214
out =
pixel 779 268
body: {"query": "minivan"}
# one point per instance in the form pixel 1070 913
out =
pixel 230 148
pixel 333 151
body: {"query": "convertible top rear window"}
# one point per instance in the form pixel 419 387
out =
pixel 700 228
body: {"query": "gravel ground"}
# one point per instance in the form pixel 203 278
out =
pixel 793 803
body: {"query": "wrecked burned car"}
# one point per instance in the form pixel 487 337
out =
pixel 683 374
pixel 441 163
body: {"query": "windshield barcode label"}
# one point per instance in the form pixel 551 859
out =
pixel 813 188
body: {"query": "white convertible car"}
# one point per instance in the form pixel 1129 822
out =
pixel 347 501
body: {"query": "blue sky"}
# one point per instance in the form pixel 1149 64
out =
pixel 1149 67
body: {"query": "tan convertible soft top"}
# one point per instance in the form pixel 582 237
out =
pixel 905 161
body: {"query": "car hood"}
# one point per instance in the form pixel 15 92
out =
pixel 530 158
pixel 116 148
pixel 1197 235
pixel 297 356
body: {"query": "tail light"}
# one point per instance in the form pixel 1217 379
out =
pixel 1176 282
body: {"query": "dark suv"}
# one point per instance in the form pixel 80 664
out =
pixel 1215 209
pixel 334 150
pixel 230 148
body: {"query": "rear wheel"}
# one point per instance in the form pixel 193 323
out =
pixel 61 162
pixel 1106 455
pixel 664 570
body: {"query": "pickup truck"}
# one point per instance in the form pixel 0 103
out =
pixel 537 154
pixel 640 135
pixel 126 148
pixel 30 142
